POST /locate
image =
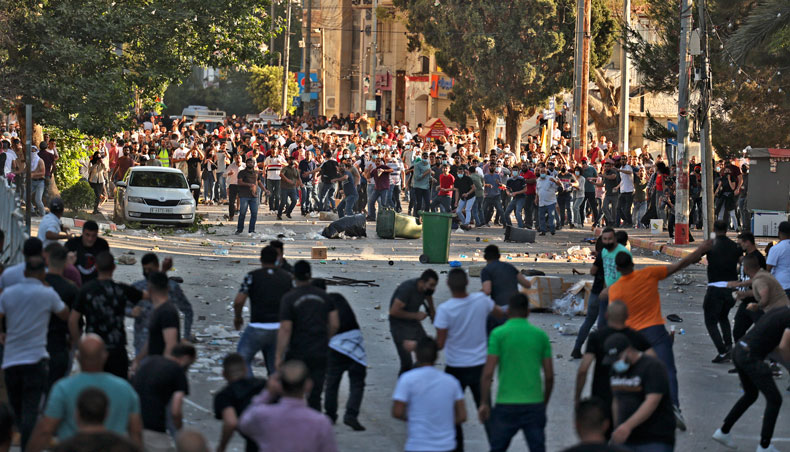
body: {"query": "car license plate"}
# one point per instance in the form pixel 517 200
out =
pixel 155 210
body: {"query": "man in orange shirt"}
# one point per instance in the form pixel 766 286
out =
pixel 638 289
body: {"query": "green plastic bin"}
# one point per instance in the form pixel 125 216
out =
pixel 436 237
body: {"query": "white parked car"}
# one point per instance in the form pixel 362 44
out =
pixel 151 194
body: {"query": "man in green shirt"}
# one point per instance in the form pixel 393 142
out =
pixel 521 350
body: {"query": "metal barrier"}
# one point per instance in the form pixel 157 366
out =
pixel 12 223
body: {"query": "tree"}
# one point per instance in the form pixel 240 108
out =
pixel 605 108
pixel 82 63
pixel 266 87
pixel 505 59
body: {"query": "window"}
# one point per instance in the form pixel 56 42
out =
pixel 158 179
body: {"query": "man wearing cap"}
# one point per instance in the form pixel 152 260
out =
pixel 51 229
pixel 643 417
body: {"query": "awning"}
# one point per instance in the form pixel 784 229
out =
pixel 434 128
pixel 757 153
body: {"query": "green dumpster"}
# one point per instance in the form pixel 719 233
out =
pixel 435 237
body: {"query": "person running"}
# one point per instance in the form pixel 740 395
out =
pixel 639 291
pixel 265 289
pixel 500 281
pixel 231 401
pixel 643 416
pixel 58 340
pixel 613 244
pixel 766 291
pixel 770 333
pixel 87 247
pixel 722 268
pixel 430 401
pixel 744 318
pixel 520 350
pixel 405 315
pixel 593 303
pixel 778 258
pixel 461 330
pixel 164 327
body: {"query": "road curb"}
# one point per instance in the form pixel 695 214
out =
pixel 77 223
pixel 654 245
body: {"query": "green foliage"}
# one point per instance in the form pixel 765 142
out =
pixel 74 148
pixel 266 84
pixel 79 196
pixel 657 131
pixel 230 94
pixel 81 63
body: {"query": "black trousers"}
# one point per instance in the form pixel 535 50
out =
pixel 716 307
pixel 233 192
pixel 744 319
pixel 59 364
pixel 756 377
pixel 624 205
pixel 592 203
pixel 337 364
pixel 469 377
pixel 316 367
pixel 117 363
pixel 530 211
pixel 408 332
pixel 26 385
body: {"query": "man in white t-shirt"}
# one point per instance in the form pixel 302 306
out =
pixel 461 330
pixel 180 157
pixel 626 199
pixel 274 164
pixel 430 401
pixel 778 259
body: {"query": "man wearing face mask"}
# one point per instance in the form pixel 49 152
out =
pixel 405 315
pixel 643 417
pixel 547 201
pixel 531 179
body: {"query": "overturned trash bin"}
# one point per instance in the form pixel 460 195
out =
pixel 435 237
pixel 513 234
pixel 351 226
pixel 390 225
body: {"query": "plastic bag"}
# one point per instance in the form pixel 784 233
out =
pixel 570 304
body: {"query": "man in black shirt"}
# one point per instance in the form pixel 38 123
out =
pixel 234 398
pixel 163 326
pixel 103 302
pixel 265 288
pixel 248 183
pixel 308 318
pixel 326 189
pixel 745 318
pixel 616 316
pixel 770 333
pixel 405 315
pixel 464 196
pixel 161 382
pixel 611 179
pixel 346 354
pixel 592 424
pixel 87 247
pixel 643 414
pixel 722 267
pixel 58 341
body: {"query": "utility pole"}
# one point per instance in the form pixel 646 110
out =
pixel 577 81
pixel 682 180
pixel 28 169
pixel 625 80
pixel 583 107
pixel 323 74
pixel 373 55
pixel 705 148
pixel 271 31
pixel 287 55
pixel 308 45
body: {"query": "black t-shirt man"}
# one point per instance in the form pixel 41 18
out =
pixel 328 171
pixel 163 317
pixel 723 260
pixel 157 379
pixel 600 385
pixel 504 281
pixel 238 395
pixel 58 332
pixel 610 184
pixel 86 256
pixel 308 308
pixel 412 298
pixel 266 287
pixel 463 184
pixel 517 184
pixel 346 316
pixel 103 303
pixel 250 176
pixel 630 389
pixel 193 169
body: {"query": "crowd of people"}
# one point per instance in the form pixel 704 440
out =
pixel 350 164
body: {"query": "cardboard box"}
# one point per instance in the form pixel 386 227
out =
pixel 318 252
pixel 544 290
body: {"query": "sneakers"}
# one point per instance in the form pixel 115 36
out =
pixel 770 448
pixel 680 423
pixel 721 358
pixel 724 438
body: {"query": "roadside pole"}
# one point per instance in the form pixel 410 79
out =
pixel 682 180
pixel 287 59
pixel 705 147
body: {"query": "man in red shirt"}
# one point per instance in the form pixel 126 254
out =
pixel 530 212
pixel 446 184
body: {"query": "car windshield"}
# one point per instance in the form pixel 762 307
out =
pixel 158 179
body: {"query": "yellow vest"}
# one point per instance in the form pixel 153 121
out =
pixel 164 157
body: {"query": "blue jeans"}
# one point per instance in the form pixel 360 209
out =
pixel 393 198
pixel 468 205
pixel 578 215
pixel 542 212
pixel 326 196
pixel 564 201
pixel 516 204
pixel 308 197
pixel 443 202
pixel 422 200
pixel 37 187
pixel 376 195
pixel 589 320
pixel 253 205
pixel 492 204
pixel 221 189
pixel 650 447
pixel 287 196
pixel 253 340
pixel 661 343
pixel 208 190
pixel 274 194
pixel 346 206
pixel 506 420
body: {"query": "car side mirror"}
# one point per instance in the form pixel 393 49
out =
pixel 120 183
pixel 194 187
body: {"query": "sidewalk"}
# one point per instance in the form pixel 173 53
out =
pixel 642 238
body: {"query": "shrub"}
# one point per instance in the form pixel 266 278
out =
pixel 74 148
pixel 79 196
